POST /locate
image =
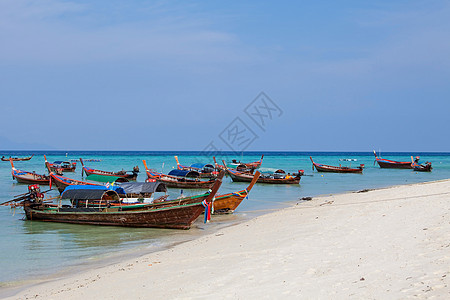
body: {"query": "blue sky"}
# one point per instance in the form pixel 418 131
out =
pixel 172 75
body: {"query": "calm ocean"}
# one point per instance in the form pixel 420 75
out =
pixel 37 250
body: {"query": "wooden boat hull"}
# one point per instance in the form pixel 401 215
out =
pixel 208 175
pixel 31 180
pixel 385 164
pixel 173 217
pixel 28 177
pixel 17 158
pixel 242 177
pixel 337 170
pixel 62 182
pixel 113 175
pixel 56 169
pixel 185 184
pixel 423 168
pixel 201 171
pixel 108 176
pixel 177 182
pixel 251 165
pixel 227 203
pixel 392 164
pixel 65 166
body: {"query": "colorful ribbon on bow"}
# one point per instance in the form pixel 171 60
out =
pixel 207 207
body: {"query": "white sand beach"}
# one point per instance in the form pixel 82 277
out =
pixel 391 243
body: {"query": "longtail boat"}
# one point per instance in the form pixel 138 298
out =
pixel 420 167
pixel 227 203
pixel 175 216
pixel 335 169
pixel 278 177
pixel 222 204
pixel 3 158
pixel 132 193
pixel 28 177
pixel 251 165
pixel 392 164
pixel 87 159
pixel 204 170
pixel 110 176
pixel 179 179
pixel 62 182
pixel 249 168
pixel 60 166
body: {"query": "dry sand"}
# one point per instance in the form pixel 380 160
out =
pixel 385 244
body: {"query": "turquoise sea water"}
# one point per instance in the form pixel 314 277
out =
pixel 36 250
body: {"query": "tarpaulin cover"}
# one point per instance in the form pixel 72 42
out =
pixel 88 192
pixel 184 173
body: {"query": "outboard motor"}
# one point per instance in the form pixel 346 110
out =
pixel 35 193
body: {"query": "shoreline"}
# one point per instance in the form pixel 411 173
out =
pixel 11 288
pixel 158 269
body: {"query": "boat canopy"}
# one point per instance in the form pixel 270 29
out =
pixel 184 173
pixel 92 192
pixel 202 166
pixel 142 187
pixel 241 167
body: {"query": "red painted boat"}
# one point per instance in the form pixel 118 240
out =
pixel 278 177
pixel 62 182
pixel 60 166
pixel 251 165
pixel 130 175
pixel 204 170
pixel 179 179
pixel 421 167
pixel 336 169
pixel 28 177
pixel 222 204
pixel 392 164
pixel 174 216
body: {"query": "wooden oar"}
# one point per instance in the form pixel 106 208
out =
pixel 52 198
pixel 13 200
pixel 24 197
pixel 20 195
